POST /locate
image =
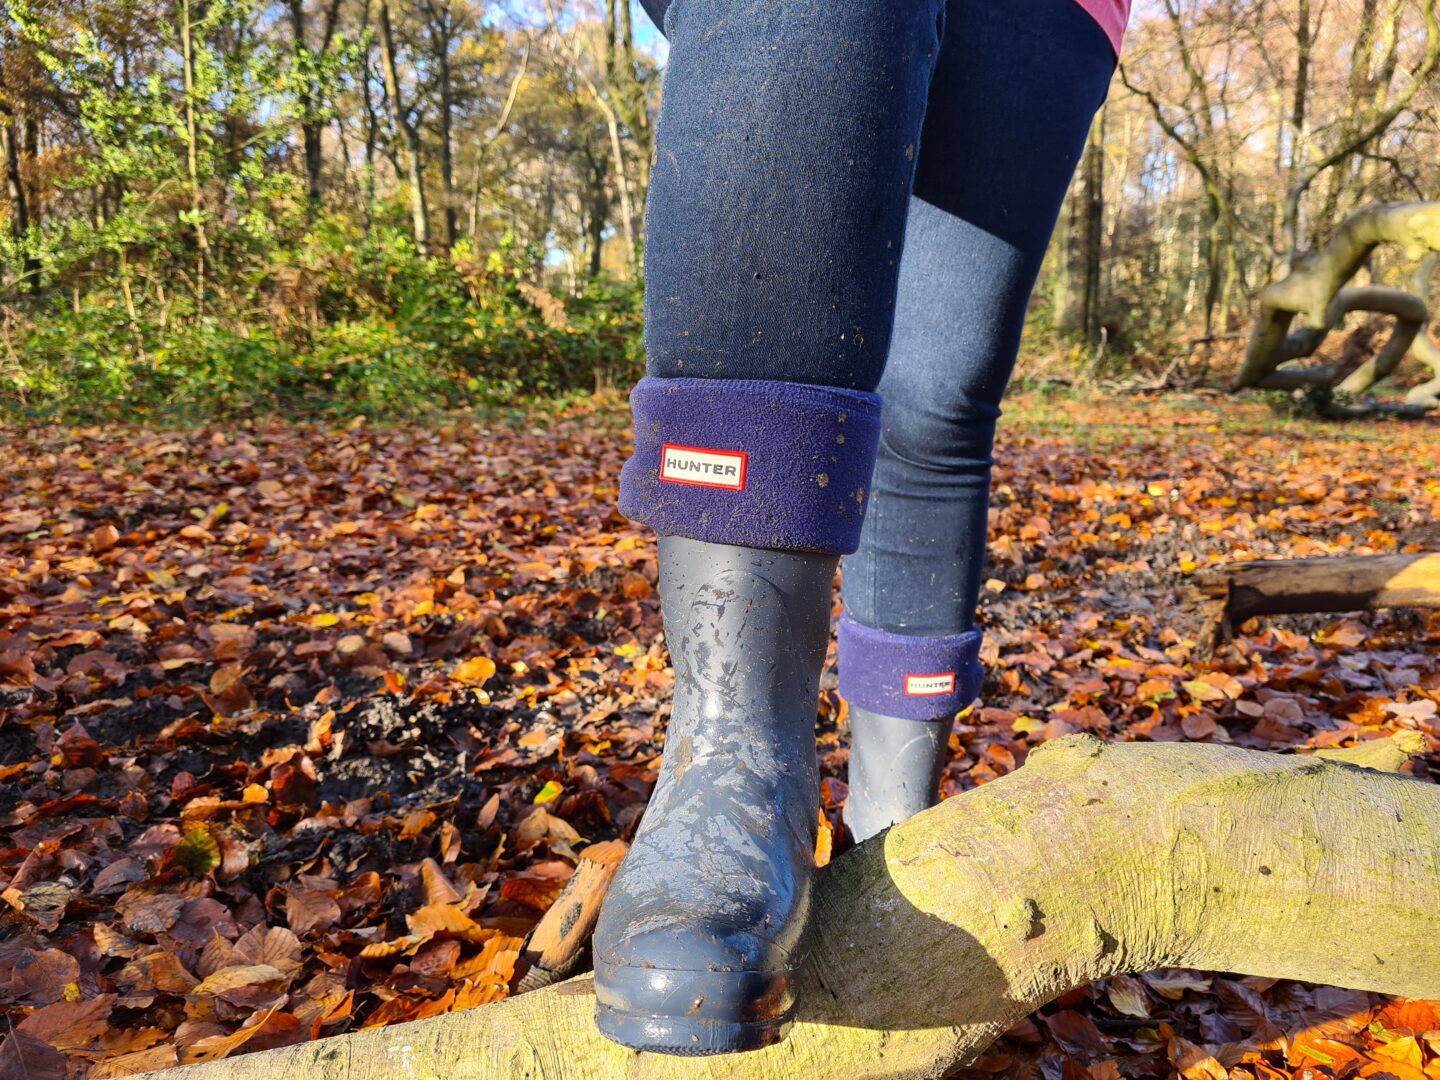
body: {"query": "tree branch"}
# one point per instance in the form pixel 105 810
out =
pixel 1311 290
pixel 1427 67
pixel 1092 860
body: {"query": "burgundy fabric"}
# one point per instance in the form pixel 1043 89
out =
pixel 1112 15
pixel 913 678
pixel 751 462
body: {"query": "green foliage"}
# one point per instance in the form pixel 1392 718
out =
pixel 206 284
pixel 339 323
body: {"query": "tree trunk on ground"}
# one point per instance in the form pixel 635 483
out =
pixel 1314 292
pixel 1300 586
pixel 1093 860
pixel 1424 348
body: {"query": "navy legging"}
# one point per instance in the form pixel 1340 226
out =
pixel 859 193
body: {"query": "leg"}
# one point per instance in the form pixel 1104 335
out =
pixel 1013 97
pixel 785 153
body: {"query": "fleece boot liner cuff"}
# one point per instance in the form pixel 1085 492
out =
pixel 913 678
pixel 774 465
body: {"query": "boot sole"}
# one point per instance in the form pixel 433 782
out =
pixel 690 1036
pixel 693 1013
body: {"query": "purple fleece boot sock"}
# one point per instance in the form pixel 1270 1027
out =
pixel 903 694
pixel 770 465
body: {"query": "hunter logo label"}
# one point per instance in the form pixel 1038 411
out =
pixel 703 468
pixel 928 685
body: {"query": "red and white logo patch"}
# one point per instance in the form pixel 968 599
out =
pixel 700 467
pixel 929 685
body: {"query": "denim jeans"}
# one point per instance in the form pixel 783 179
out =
pixel 859 194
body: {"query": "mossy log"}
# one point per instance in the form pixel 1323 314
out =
pixel 1092 860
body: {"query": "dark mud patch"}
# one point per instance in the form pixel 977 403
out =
pixel 411 751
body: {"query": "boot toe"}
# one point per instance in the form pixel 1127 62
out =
pixel 698 988
pixel 702 945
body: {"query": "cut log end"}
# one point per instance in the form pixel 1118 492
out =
pixel 558 943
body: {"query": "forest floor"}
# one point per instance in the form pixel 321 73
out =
pixel 282 706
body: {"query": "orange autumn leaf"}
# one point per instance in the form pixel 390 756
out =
pixel 824 841
pixel 1405 1014
pixel 533 891
pixel 1194 1062
pixel 478 669
pixel 218 1047
pixel 233 978
pixel 494 962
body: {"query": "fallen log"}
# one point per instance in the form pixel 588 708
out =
pixel 932 939
pixel 1297 586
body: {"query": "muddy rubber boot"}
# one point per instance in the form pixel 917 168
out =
pixel 704 926
pixel 755 489
pixel 895 767
pixel 903 693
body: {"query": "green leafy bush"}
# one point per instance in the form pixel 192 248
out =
pixel 208 285
pixel 340 323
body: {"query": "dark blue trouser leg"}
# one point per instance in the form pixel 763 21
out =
pixel 1012 99
pixel 785 155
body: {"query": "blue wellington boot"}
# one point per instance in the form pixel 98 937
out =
pixel 903 693
pixel 895 768
pixel 755 488
pixel 705 925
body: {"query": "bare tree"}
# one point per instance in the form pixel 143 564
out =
pixel 604 100
pixel 1370 108
pixel 406 129
pixel 15 187
pixel 1195 129
pixel 439 16
pixel 311 109
pixel 1078 298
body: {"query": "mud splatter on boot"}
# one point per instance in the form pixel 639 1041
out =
pixel 704 929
